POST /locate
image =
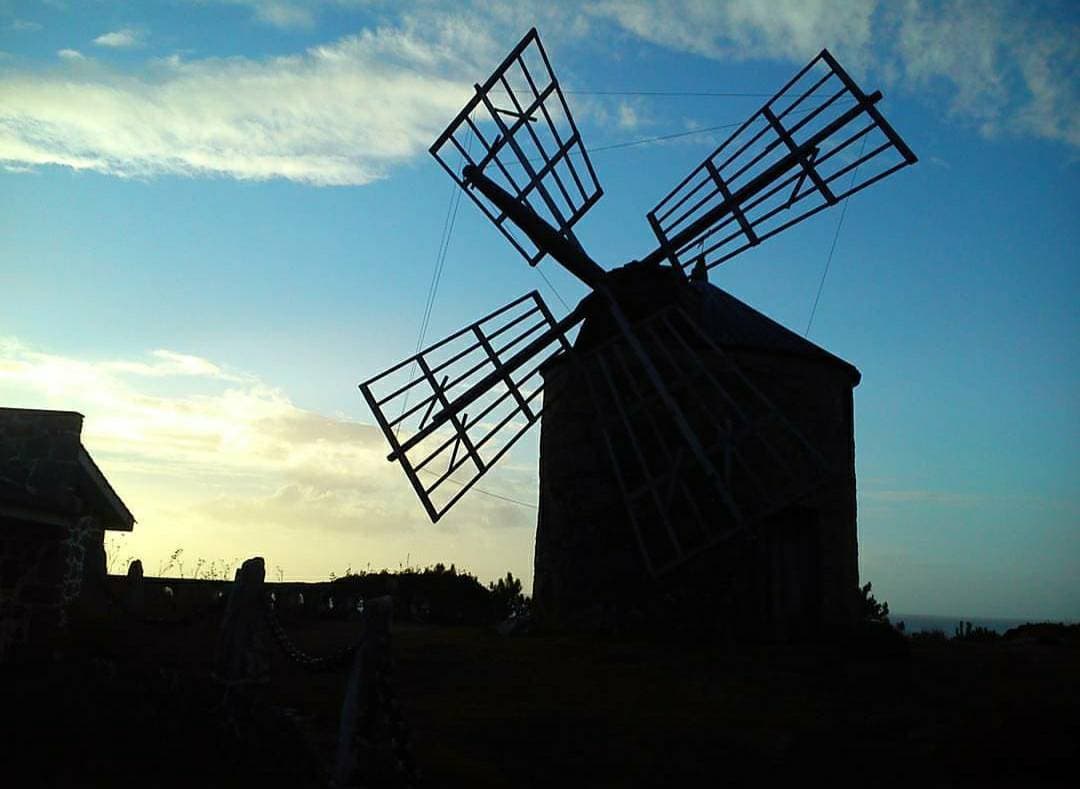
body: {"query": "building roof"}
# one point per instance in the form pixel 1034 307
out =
pixel 728 322
pixel 46 473
pixel 735 325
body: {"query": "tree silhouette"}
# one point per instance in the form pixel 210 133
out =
pixel 506 596
pixel 870 609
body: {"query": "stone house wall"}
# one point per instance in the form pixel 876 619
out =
pixel 51 526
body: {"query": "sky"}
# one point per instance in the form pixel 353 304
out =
pixel 219 216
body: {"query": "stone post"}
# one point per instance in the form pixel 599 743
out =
pixel 356 757
pixel 135 590
pixel 243 649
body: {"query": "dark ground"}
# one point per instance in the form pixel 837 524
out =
pixel 133 704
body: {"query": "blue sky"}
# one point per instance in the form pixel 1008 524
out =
pixel 219 217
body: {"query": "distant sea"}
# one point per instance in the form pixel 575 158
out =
pixel 914 623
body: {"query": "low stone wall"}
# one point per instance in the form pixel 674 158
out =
pixel 186 596
pixel 439 599
pixel 436 595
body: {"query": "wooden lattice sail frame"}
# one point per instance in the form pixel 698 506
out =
pixel 474 394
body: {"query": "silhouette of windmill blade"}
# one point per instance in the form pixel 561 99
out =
pixel 789 161
pixel 528 145
pixel 683 500
pixel 454 409
pixel 699 453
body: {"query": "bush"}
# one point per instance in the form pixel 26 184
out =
pixel 438 594
pixel 1049 633
pixel 929 636
pixel 870 609
pixel 507 597
pixel 965 632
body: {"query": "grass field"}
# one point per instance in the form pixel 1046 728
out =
pixel 133 704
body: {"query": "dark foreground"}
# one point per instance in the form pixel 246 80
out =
pixel 133 704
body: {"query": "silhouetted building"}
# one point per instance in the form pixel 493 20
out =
pixel 790 572
pixel 55 506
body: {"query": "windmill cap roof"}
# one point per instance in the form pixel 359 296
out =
pixel 641 290
pixel 735 325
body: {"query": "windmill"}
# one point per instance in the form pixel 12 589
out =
pixel 681 443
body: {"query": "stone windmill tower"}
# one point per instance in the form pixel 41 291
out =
pixel 781 413
pixel 692 449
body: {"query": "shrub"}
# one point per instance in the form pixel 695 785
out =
pixel 507 597
pixel 934 636
pixel 870 609
pixel 436 594
pixel 965 632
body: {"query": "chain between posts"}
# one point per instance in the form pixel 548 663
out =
pixel 332 662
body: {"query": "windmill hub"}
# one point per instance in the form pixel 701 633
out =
pixel 641 289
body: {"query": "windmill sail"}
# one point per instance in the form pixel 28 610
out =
pixel 451 411
pixel 689 436
pixel 698 429
pixel 519 132
pixel 685 496
pixel 817 141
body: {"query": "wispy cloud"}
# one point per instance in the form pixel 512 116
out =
pixel 897 497
pixel 1004 66
pixel 337 114
pixel 280 13
pixel 347 112
pixel 1010 70
pixel 24 26
pixel 70 54
pixel 744 29
pixel 169 364
pixel 628 118
pixel 126 37
pixel 919 496
pixel 288 14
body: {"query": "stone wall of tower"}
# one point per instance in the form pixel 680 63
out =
pixel 585 558
pixel 819 402
pixel 797 573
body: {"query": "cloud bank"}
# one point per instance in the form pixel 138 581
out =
pixel 218 462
